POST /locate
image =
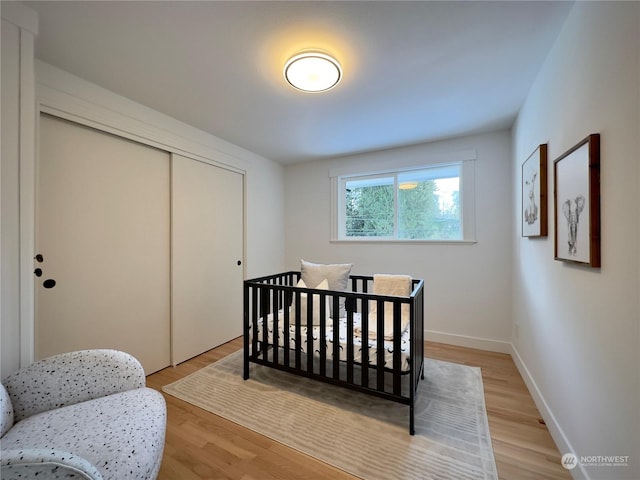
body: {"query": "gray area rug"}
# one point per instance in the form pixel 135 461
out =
pixel 363 435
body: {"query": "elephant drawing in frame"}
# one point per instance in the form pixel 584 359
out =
pixel 577 203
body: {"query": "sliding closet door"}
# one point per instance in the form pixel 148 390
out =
pixel 103 230
pixel 207 251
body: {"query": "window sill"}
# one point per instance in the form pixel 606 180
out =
pixel 403 242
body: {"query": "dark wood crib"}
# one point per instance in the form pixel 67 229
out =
pixel 332 342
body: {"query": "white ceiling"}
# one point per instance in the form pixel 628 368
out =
pixel 414 71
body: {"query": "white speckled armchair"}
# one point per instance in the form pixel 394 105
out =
pixel 84 415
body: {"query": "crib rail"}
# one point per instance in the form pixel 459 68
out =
pixel 275 300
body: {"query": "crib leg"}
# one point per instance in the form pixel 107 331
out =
pixel 245 374
pixel 412 430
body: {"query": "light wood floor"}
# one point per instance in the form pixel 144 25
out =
pixel 201 445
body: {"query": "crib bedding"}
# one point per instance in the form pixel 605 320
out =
pixel 405 359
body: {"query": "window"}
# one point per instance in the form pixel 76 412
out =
pixel 426 203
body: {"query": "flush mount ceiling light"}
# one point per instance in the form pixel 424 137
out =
pixel 312 71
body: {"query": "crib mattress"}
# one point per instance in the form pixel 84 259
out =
pixel 405 360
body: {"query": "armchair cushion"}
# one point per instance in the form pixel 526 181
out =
pixel 71 378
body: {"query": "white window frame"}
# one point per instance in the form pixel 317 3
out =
pixel 466 160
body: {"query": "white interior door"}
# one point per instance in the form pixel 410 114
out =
pixel 207 251
pixel 103 230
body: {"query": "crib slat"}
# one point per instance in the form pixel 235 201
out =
pixel 364 326
pixel 336 337
pixel 265 324
pixel 276 322
pixel 286 329
pixel 397 334
pixel 266 304
pixel 309 339
pixel 350 346
pixel 298 334
pixel 322 340
pixel 380 346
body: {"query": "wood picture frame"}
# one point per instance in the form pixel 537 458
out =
pixel 534 193
pixel 576 180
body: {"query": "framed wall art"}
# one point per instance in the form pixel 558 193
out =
pixel 577 203
pixel 534 193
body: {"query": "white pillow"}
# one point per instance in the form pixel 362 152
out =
pixel 337 274
pixel 323 285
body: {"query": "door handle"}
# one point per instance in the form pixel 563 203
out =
pixel 49 282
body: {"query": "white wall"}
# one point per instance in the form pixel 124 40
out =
pixel 265 218
pixel 577 329
pixel 467 287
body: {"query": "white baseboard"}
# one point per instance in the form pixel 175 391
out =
pixel 562 442
pixel 470 342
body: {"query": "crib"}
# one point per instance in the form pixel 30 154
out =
pixel 331 339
